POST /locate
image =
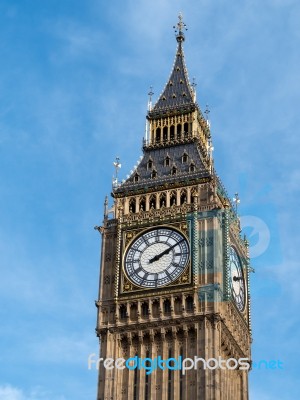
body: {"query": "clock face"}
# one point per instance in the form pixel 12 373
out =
pixel 156 258
pixel 237 279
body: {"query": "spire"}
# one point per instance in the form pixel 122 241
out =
pixel 178 92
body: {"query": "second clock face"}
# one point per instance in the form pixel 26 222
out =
pixel 157 257
pixel 237 279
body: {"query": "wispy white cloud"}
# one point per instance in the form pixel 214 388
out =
pixel 8 392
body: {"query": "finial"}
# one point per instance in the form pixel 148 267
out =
pixel 179 28
pixel 236 200
pixel 150 94
pixel 194 85
pixel 105 206
pixel 117 167
pixel 207 112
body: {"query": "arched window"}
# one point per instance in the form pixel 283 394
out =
pixel 165 133
pixel 155 309
pixel 154 174
pixel 192 167
pixel 157 136
pixel 186 128
pixel 177 306
pixel 172 132
pixel 174 170
pixel 133 312
pixel 184 157
pixel 167 161
pixel 179 131
pixel 162 200
pixel 167 306
pixel 123 311
pixel 173 199
pixel 142 204
pixel 183 197
pixel 132 204
pixel 152 202
pixel 189 304
pixel 145 310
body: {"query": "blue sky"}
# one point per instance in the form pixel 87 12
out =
pixel 74 78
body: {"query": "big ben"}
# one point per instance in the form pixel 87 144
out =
pixel 174 271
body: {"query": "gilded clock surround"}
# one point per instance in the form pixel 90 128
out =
pixel 130 236
pixel 196 314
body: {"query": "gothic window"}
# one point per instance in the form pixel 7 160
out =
pixel 152 202
pixel 173 199
pixel 183 197
pixel 179 131
pixel 155 309
pixel 157 137
pixel 142 204
pixel 132 205
pixel 172 132
pixel 162 200
pixel 154 174
pixel 136 177
pixel 167 161
pixel 192 167
pixel 174 170
pixel 186 128
pixel 145 310
pixel 189 304
pixel 150 163
pixel 165 133
pixel 177 306
pixel 167 306
pixel 184 157
pixel 123 311
pixel 133 312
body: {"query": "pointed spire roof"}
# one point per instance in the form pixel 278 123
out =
pixel 178 92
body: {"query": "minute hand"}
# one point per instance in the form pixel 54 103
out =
pixel 158 256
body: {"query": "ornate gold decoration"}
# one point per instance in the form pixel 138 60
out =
pixel 127 285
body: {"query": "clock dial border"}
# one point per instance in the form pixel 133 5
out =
pixel 180 279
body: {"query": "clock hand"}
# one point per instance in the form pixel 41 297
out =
pixel 237 278
pixel 158 256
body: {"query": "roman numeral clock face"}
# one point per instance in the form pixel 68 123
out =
pixel 237 279
pixel 156 258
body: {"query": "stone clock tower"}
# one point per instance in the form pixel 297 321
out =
pixel 174 276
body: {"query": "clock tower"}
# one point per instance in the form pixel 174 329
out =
pixel 174 274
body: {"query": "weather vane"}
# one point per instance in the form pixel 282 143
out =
pixel 237 201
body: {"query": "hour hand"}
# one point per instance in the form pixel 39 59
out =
pixel 155 258
pixel 158 256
